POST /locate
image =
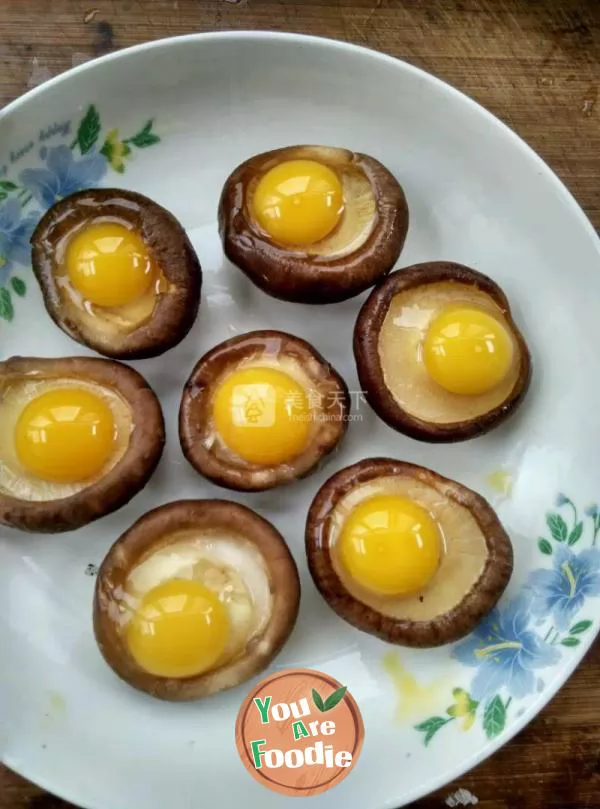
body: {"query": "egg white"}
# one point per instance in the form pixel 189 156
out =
pixel 230 566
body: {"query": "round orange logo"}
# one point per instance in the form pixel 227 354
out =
pixel 299 732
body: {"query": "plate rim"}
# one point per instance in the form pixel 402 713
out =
pixel 310 40
pixel 316 41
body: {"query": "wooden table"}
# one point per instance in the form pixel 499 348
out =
pixel 535 64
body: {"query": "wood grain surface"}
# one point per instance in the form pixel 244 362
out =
pixel 536 65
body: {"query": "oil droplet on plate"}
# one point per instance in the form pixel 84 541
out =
pixel 56 709
pixel 415 701
pixel 500 481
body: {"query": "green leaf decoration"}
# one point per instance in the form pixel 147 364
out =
pixel 558 527
pixel 545 546
pixel 316 697
pixel 431 726
pixel 576 533
pixel 145 137
pixel 6 307
pixel 19 286
pixel 570 642
pixel 89 130
pixel 108 150
pixel 3 195
pixel 7 185
pixel 143 140
pixel 494 718
pixel 580 627
pixel 333 699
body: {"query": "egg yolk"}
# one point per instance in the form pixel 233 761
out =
pixel 390 545
pixel 109 265
pixel 179 629
pixel 65 435
pixel 467 351
pixel 263 415
pixel 298 202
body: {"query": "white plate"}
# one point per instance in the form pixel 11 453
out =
pixel 477 195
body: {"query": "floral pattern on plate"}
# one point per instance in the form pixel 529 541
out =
pixel 510 650
pixel 64 170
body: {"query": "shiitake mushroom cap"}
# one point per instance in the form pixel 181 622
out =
pixel 444 628
pixel 369 366
pixel 155 527
pixel 291 274
pixel 195 418
pixel 123 480
pixel 175 309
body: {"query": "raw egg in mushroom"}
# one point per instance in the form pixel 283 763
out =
pixel 390 545
pixel 261 409
pixel 117 273
pixel 313 224
pixel 298 202
pixel 196 597
pixel 438 353
pixel 405 554
pixel 79 438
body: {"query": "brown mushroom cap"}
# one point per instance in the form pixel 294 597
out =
pixel 153 531
pixel 478 554
pixel 198 437
pixel 471 416
pixel 147 328
pixel 318 275
pixel 122 480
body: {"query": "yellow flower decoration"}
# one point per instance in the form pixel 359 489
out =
pixel 115 150
pixel 464 708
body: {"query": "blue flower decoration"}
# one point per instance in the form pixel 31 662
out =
pixel 506 652
pixel 561 500
pixel 592 511
pixel 561 591
pixel 15 233
pixel 63 175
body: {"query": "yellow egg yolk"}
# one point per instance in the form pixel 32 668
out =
pixel 298 202
pixel 390 545
pixel 179 629
pixel 65 435
pixel 467 351
pixel 109 264
pixel 263 415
